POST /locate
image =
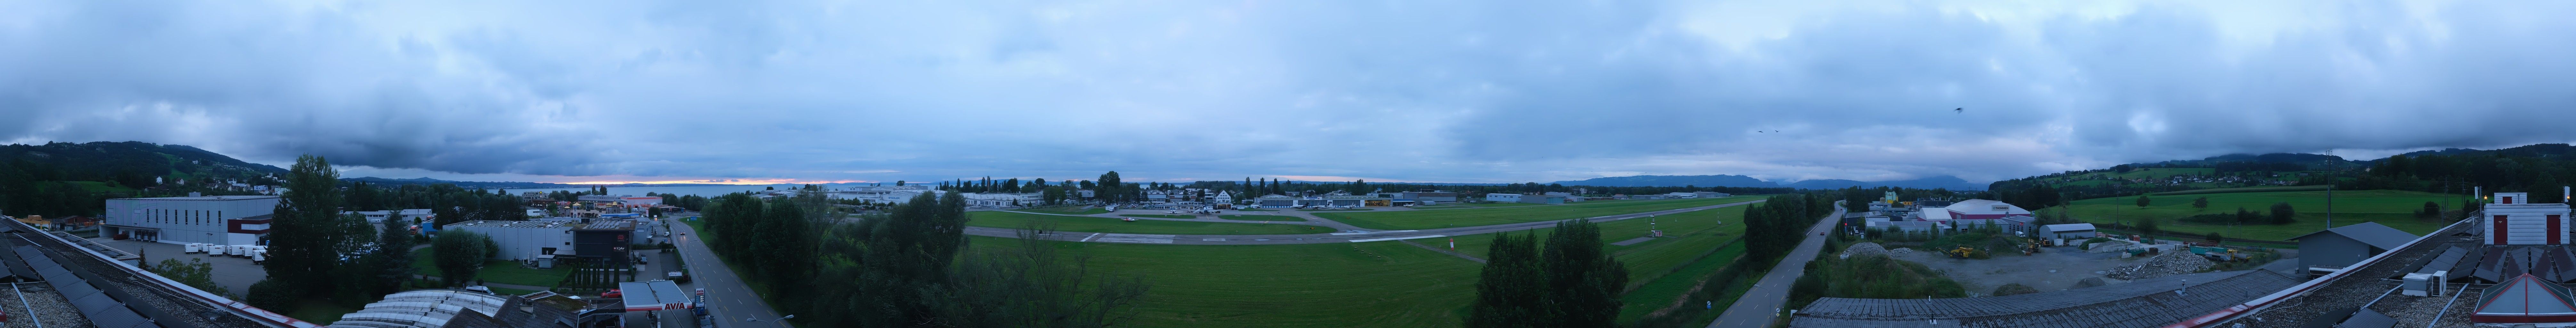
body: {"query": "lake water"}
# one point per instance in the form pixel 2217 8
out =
pixel 707 191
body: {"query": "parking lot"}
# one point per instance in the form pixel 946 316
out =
pixel 235 273
pixel 2054 268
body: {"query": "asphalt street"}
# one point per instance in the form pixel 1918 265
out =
pixel 1758 306
pixel 730 299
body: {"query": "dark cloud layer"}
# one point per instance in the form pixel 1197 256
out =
pixel 1412 90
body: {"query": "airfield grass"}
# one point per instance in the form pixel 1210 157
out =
pixel 1075 210
pixel 1256 210
pixel 1662 268
pixel 2387 207
pixel 1009 220
pixel 1260 217
pixel 1166 216
pixel 1496 204
pixel 1299 285
pixel 1404 220
pixel 1338 210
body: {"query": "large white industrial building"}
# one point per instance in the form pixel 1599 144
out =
pixel 222 220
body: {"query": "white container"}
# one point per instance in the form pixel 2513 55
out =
pixel 215 250
pixel 194 248
pixel 238 251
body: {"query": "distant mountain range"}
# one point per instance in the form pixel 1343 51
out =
pixel 510 185
pixel 1727 180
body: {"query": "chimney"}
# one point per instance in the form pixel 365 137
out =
pixel 194 194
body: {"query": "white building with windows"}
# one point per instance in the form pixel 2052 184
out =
pixel 224 220
pixel 885 194
pixel 1503 198
pixel 1222 197
pixel 992 199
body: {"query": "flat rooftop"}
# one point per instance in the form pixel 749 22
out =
pixel 2374 285
pixel 506 224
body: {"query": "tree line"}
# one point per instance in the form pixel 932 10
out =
pixel 1773 228
pixel 909 266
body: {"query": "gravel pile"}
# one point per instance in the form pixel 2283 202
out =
pixel 2162 265
pixel 1865 249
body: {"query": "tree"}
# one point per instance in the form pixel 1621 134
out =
pixel 2148 227
pixel 308 232
pixel 195 273
pixel 1584 281
pixel 1509 290
pixel 274 294
pixel 2431 211
pixel 459 255
pixel 2214 238
pixel 2143 201
pixel 2202 202
pixel 2283 214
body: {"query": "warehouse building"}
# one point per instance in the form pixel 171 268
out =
pixel 604 242
pixel 222 220
pixel 1434 196
pixel 522 240
pixel 628 200
pixel 2333 249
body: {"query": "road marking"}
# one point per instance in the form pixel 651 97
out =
pixel 1130 238
pixel 1093 235
pixel 1218 239
pixel 1396 238
pixel 1370 232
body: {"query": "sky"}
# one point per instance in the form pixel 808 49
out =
pixel 1432 90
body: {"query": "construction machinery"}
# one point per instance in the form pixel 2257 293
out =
pixel 2031 247
pixel 2221 254
pixel 1961 253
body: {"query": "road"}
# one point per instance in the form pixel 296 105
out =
pixel 1758 306
pixel 1343 237
pixel 730 299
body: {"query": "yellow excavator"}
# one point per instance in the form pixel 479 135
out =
pixel 1961 253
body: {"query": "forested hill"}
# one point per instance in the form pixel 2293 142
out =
pixel 2539 169
pixel 63 178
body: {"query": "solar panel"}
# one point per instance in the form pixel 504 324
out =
pixel 94 304
pixel 119 318
pixel 74 289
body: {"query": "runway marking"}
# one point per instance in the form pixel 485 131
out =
pixel 1370 232
pixel 1093 235
pixel 1396 238
pixel 1131 238
pixel 1219 239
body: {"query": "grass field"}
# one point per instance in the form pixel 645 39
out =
pixel 999 219
pixel 1257 210
pixel 2242 189
pixel 1339 210
pixel 1302 285
pixel 506 272
pixel 1075 210
pixel 1662 291
pixel 1260 217
pixel 1402 220
pixel 1494 204
pixel 1166 216
pixel 2387 207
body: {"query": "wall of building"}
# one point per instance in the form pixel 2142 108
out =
pixel 190 220
pixel 519 243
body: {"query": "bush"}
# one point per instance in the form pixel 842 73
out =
pixel 2091 282
pixel 276 296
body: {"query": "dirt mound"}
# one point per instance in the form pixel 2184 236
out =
pixel 2014 289
pixel 2091 282
pixel 1864 249
pixel 2162 265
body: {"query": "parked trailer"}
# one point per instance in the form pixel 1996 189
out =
pixel 215 250
pixel 194 248
pixel 237 251
pixel 259 256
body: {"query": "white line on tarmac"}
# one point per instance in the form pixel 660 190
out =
pixel 1093 235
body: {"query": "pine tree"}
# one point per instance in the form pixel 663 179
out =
pixel 307 227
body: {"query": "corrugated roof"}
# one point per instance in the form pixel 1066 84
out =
pixel 2145 302
pixel 2372 233
pixel 2068 227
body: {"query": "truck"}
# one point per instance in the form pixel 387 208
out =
pixel 678 276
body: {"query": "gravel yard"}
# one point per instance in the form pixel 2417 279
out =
pixel 2054 268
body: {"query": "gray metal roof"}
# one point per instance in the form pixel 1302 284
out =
pixel 2371 233
pixel 2068 227
pixel 2145 302
pixel 421 308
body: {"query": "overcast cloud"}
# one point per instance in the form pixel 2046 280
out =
pixel 1453 91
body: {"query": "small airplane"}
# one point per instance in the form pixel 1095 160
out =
pixel 1127 219
pixel 1959 110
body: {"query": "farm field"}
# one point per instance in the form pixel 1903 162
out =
pixel 1404 220
pixel 1009 220
pixel 1259 217
pixel 2242 189
pixel 2387 207
pixel 1301 285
